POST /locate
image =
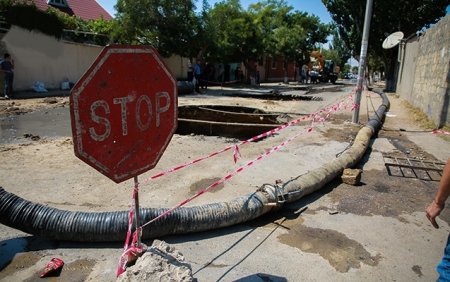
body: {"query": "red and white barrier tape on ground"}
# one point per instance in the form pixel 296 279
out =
pixel 227 177
pixel 331 109
pixel 126 247
pixel 335 107
pixel 438 131
pixel 320 116
pixel 130 249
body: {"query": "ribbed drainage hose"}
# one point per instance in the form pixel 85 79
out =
pixel 63 225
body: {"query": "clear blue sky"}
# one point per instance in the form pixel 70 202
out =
pixel 314 7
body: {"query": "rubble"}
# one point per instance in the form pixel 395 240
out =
pixel 161 262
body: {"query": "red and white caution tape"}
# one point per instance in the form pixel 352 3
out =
pixel 131 249
pixel 330 109
pixel 127 248
pixel 439 131
pixel 227 177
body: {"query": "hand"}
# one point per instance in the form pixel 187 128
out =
pixel 432 211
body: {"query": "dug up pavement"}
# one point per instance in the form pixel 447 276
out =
pixel 374 231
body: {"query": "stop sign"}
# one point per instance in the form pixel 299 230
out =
pixel 124 111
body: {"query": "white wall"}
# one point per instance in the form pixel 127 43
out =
pixel 178 65
pixel 39 57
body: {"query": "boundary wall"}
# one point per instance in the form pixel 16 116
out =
pixel 424 72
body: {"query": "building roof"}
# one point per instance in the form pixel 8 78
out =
pixel 85 9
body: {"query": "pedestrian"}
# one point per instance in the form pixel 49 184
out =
pixel 303 71
pixel 198 71
pixel 432 211
pixel 206 76
pixel 7 67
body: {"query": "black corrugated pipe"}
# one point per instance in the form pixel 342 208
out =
pixel 58 224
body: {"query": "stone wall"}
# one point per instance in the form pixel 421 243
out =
pixel 424 74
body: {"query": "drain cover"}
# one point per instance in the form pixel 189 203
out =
pixel 413 168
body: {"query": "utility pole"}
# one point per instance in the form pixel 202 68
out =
pixel 363 59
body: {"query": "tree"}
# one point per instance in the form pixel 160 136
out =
pixel 388 16
pixel 279 32
pixel 287 33
pixel 170 26
pixel 346 69
pixel 342 52
pixel 232 36
pixel 333 54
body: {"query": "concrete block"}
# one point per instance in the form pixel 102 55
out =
pixel 351 176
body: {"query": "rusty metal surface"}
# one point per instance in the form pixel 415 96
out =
pixel 124 111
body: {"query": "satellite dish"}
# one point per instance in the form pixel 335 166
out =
pixel 393 40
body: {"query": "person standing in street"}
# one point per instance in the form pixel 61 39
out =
pixel 7 67
pixel 198 72
pixel 432 211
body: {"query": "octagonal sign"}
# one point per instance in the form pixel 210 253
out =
pixel 124 111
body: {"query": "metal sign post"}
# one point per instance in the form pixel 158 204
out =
pixel 363 59
pixel 124 112
pixel 136 210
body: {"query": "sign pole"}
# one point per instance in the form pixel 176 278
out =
pixel 129 118
pixel 136 210
pixel 362 59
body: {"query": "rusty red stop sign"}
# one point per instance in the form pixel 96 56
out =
pixel 124 111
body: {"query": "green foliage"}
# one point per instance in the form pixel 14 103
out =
pixel 345 69
pixel 78 30
pixel 332 54
pixel 53 22
pixel 388 16
pixel 375 63
pixel 285 32
pixel 170 26
pixel 29 17
pixel 340 49
pixel 224 32
pixel 231 34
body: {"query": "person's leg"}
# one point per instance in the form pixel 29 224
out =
pixel 443 267
pixel 197 85
pixel 6 86
pixel 10 90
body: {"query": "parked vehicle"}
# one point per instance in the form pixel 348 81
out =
pixel 327 68
pixel 328 74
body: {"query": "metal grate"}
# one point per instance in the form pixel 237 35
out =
pixel 412 168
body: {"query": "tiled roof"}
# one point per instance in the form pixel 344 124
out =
pixel 85 9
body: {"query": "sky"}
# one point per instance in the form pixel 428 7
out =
pixel 312 7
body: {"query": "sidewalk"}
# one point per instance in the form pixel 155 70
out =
pixel 400 118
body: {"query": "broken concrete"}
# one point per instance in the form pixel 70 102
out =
pixel 161 262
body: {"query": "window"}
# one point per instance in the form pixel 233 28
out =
pixel 60 3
